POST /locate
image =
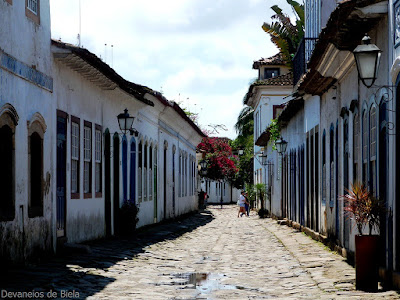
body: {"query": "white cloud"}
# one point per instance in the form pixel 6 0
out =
pixel 200 49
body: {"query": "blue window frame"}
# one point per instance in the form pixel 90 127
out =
pixel 132 177
pixel 125 167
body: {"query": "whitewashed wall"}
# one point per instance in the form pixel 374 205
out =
pixel 24 60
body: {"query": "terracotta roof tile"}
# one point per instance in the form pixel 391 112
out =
pixel 277 59
pixel 286 79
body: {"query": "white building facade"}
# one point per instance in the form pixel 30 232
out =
pixel 339 131
pixel 66 167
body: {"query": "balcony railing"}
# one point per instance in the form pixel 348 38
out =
pixel 302 57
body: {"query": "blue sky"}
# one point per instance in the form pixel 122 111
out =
pixel 197 52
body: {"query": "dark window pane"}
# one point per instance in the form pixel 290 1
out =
pixel 7 210
pixel 272 72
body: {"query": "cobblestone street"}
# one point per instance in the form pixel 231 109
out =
pixel 211 255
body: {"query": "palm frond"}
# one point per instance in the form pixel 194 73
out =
pixel 298 9
pixel 244 123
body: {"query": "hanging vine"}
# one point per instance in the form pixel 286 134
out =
pixel 274 132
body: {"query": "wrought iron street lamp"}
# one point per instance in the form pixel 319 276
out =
pixel 281 145
pixel 125 122
pixel 263 156
pixel 203 167
pixel 367 58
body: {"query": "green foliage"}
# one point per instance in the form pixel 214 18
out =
pixel 245 161
pixel 261 191
pixel 245 124
pixel 274 131
pixel 285 35
pixel 250 191
pixel 245 128
pixel 128 214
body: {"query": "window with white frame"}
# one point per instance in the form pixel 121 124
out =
pixel 75 156
pixel 97 157
pixel 32 5
pixel 87 157
pixel 32 10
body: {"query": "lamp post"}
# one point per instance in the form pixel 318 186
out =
pixel 367 58
pixel 281 145
pixel 203 167
pixel 125 121
pixel 264 162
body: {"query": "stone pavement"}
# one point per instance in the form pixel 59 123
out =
pixel 211 255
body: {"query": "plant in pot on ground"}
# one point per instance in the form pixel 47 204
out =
pixel 365 209
pixel 261 191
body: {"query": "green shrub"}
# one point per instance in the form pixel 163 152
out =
pixel 263 213
pixel 128 214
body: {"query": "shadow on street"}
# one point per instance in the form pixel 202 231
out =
pixel 73 272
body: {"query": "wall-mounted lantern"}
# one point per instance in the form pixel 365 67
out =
pixel 367 58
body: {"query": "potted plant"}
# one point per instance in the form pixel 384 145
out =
pixel 365 209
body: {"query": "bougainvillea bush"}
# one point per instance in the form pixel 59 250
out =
pixel 221 163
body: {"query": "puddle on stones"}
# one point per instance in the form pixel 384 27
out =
pixel 205 283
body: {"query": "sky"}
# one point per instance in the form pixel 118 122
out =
pixel 198 53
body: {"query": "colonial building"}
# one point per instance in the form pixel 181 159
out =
pixel 339 130
pixel 66 167
pixel 26 130
pixel 267 96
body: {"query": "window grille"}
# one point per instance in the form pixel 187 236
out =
pixel 365 136
pixel 372 149
pixel 97 156
pixel 74 157
pixel 33 6
pixel 372 123
pixel 87 141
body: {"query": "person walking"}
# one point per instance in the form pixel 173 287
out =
pixel 241 202
pixel 247 204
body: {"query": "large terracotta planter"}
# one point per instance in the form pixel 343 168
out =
pixel 367 262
